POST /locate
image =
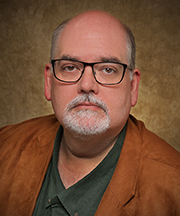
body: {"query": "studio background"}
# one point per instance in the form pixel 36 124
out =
pixel 25 37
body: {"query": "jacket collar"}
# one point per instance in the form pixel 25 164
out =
pixel 48 135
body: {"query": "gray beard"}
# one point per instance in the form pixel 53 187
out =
pixel 85 124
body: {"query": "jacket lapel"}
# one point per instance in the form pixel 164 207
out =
pixel 26 167
pixel 122 186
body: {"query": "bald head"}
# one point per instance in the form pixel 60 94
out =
pixel 94 18
pixel 91 25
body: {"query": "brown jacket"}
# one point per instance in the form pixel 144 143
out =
pixel 146 180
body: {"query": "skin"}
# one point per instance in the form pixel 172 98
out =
pixel 89 37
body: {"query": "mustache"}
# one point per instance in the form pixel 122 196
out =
pixel 87 97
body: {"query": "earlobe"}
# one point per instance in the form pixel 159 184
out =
pixel 135 86
pixel 47 84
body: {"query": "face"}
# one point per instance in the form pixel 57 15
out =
pixel 92 38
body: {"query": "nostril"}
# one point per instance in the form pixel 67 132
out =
pixel 85 91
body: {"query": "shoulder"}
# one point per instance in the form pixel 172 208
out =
pixel 153 147
pixel 154 150
pixel 29 126
pixel 41 128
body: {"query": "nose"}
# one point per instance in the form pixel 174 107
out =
pixel 87 83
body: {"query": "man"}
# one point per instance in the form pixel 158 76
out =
pixel 93 158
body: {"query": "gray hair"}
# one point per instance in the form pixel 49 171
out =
pixel 131 47
pixel 55 37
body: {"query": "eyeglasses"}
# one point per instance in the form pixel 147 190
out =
pixel 106 73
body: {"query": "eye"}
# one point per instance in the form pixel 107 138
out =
pixel 69 68
pixel 108 70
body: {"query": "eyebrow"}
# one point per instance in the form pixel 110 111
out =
pixel 110 59
pixel 67 57
pixel 101 59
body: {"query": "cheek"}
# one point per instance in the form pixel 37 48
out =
pixel 119 105
pixel 61 95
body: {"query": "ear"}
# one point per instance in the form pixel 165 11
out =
pixel 47 84
pixel 135 86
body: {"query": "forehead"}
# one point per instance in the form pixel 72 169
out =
pixel 93 36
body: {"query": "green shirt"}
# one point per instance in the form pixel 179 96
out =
pixel 83 197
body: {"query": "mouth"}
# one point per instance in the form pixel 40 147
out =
pixel 87 102
pixel 87 105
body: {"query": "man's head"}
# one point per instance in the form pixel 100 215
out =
pixel 86 107
pixel 131 47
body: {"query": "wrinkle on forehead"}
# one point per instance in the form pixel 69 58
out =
pixel 100 59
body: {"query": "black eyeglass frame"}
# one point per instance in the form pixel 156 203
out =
pixel 92 66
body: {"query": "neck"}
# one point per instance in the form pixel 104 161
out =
pixel 79 157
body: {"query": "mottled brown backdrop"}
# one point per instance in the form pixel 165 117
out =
pixel 25 33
